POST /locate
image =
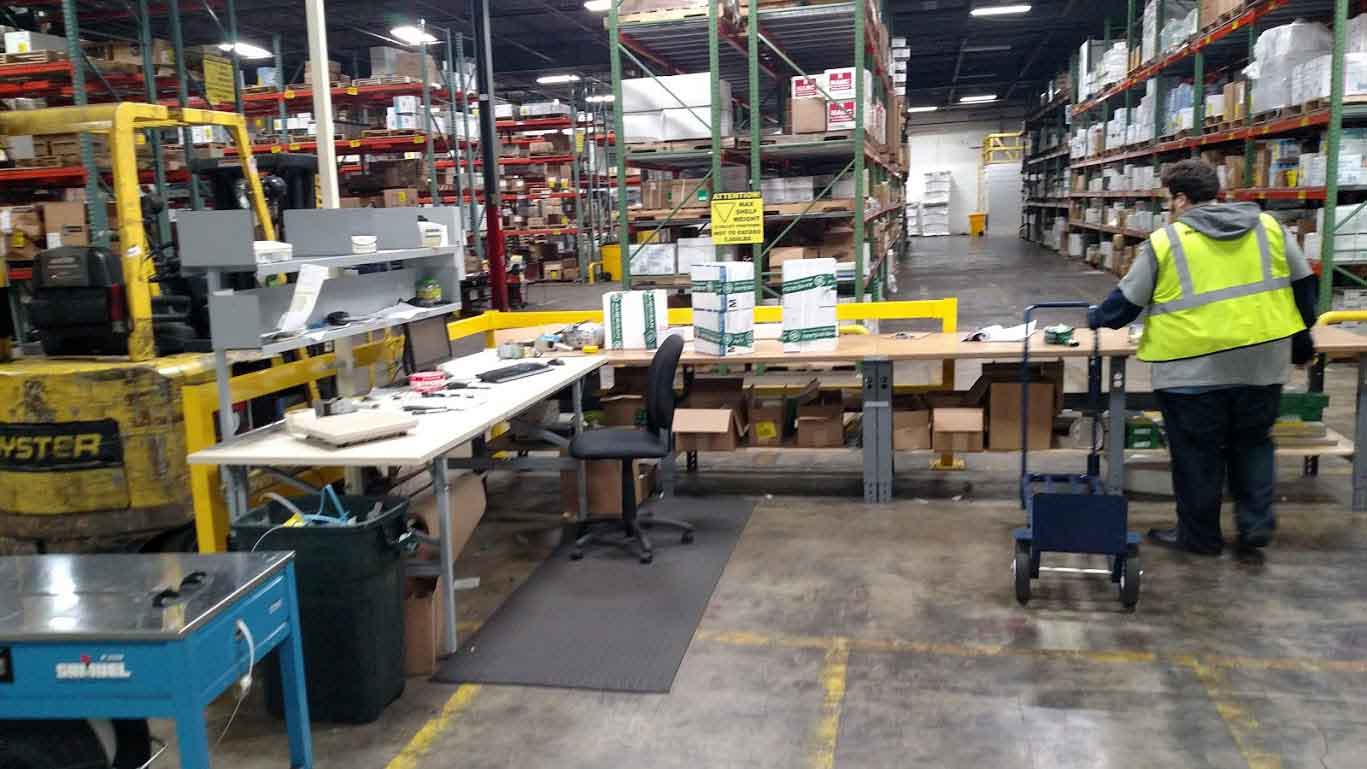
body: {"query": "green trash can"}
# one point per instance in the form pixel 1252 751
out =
pixel 350 581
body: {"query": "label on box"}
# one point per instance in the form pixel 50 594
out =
pixel 737 339
pixel 806 87
pixel 840 81
pixel 766 430
pixel 54 240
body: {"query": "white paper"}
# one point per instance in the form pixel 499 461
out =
pixel 1002 334
pixel 306 291
pixel 400 311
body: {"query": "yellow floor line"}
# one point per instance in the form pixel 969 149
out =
pixel 1243 727
pixel 834 670
pixel 422 741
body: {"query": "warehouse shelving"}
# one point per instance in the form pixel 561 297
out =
pixel 1041 169
pixel 774 42
pixel 1215 46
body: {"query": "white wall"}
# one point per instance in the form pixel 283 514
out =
pixel 957 148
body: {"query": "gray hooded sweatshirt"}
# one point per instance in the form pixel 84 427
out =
pixel 1263 364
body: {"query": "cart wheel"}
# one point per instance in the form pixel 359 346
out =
pixel 1129 582
pixel 1034 566
pixel 1021 568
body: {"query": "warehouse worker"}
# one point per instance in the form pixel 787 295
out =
pixel 1229 298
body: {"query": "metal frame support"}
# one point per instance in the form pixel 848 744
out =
pixel 577 145
pixel 860 97
pixel 182 94
pixel 488 145
pixel 233 55
pixel 619 142
pixel 714 68
pixel 149 77
pixel 1198 100
pixel 1333 134
pixel 315 15
pixel 95 207
pixel 877 430
pixel 429 147
pixel 453 142
pixel 466 154
pixel 1360 428
pixel 1115 446
pixel 756 122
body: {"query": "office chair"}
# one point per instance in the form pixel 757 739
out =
pixel 628 444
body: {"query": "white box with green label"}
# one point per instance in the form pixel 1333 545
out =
pixel 809 299
pixel 723 286
pixel 635 320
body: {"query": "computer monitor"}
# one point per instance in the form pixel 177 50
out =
pixel 426 344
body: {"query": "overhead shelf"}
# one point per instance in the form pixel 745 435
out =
pixel 1046 203
pixel 322 336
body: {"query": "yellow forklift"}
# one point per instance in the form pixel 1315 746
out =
pixel 92 439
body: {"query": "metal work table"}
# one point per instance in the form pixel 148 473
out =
pixel 148 636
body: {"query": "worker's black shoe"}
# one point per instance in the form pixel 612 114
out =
pixel 1171 540
pixel 1248 548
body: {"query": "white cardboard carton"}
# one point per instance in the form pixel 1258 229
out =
pixel 808 87
pixel 727 332
pixel 723 286
pixel 643 126
pixel 653 259
pixel 635 320
pixel 809 299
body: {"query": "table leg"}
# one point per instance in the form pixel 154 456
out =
pixel 237 485
pixel 1315 384
pixel 1115 445
pixel 292 683
pixel 192 731
pixel 442 490
pixel 580 471
pixel 877 430
pixel 1359 435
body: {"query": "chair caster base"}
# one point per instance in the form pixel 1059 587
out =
pixel 687 538
pixel 576 555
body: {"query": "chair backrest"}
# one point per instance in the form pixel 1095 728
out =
pixel 660 384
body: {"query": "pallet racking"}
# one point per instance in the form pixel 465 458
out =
pixel 742 45
pixel 1045 162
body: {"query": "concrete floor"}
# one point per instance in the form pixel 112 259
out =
pixel 849 635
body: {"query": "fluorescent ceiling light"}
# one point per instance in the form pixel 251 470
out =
pixel 986 48
pixel 980 99
pixel 597 6
pixel 554 79
pixel 998 10
pixel 922 109
pixel 412 35
pixel 600 99
pixel 246 50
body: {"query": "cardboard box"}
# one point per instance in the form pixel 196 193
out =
pixel 400 198
pixel 910 429
pixel 422 614
pixel 64 225
pixel 808 305
pixel 635 320
pixel 772 416
pixel 807 87
pixel 706 430
pixel 807 116
pixel 604 483
pixel 22 229
pixel 1004 416
pixel 956 430
pixel 821 422
pixel 780 254
pixel 1010 373
pixel 28 42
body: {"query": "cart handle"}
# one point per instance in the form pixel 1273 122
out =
pixel 1070 304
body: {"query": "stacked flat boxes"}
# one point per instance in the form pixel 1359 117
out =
pixel 809 299
pixel 672 108
pixel 935 203
pixel 723 307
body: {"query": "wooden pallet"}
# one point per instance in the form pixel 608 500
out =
pixel 1274 114
pixel 820 207
pixel 381 133
pixel 46 161
pixel 779 140
pixel 691 145
pixel 32 57
pixel 694 12
pixel 1224 18
pixel 662 214
pixel 309 86
pixel 259 89
pixel 384 80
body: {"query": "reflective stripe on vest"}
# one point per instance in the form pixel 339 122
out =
pixel 1186 322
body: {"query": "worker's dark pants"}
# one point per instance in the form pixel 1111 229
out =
pixel 1216 434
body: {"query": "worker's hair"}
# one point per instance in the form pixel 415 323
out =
pixel 1194 178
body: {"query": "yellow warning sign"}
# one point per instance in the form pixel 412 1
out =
pixel 218 79
pixel 737 217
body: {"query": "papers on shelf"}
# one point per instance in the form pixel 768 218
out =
pixel 306 290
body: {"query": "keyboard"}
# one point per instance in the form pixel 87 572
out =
pixel 515 371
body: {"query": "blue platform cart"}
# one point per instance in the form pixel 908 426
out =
pixel 93 641
pixel 1072 513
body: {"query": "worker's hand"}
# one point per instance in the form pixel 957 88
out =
pixel 1094 317
pixel 1302 348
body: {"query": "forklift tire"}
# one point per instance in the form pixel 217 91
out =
pixel 1129 581
pixel 1022 569
pixel 64 744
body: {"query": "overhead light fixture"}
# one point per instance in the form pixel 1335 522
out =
pixel 246 50
pixel 603 98
pixel 412 35
pixel 979 99
pixel 987 48
pixel 597 6
pixel 556 79
pixel 922 109
pixel 999 10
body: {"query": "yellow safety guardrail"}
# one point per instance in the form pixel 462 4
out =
pixel 200 402
pixel 1334 317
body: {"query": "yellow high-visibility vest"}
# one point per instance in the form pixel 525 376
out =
pixel 1212 295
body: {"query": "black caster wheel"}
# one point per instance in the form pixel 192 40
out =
pixel 1129 582
pixel 1034 566
pixel 647 557
pixel 576 555
pixel 1021 568
pixel 687 538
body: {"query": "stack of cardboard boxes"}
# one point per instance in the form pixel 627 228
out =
pixel 26 230
pixel 987 416
pixel 672 108
pixel 723 298
pixel 810 111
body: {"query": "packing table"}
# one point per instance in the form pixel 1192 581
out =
pixel 436 435
pixel 148 636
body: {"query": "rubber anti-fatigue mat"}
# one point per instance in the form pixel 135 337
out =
pixel 607 622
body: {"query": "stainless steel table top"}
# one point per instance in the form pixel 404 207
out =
pixel 121 597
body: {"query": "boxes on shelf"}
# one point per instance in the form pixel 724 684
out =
pixel 635 320
pixel 1004 415
pixel 23 41
pixel 910 424
pixel 807 115
pixel 821 421
pixel 723 307
pixel 779 255
pixel 809 300
pixel 21 230
pixel 396 62
pixel 684 123
pixel 334 70
pixel 1276 54
pixel 707 430
pixel 654 259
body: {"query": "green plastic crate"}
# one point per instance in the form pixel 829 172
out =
pixel 1306 406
